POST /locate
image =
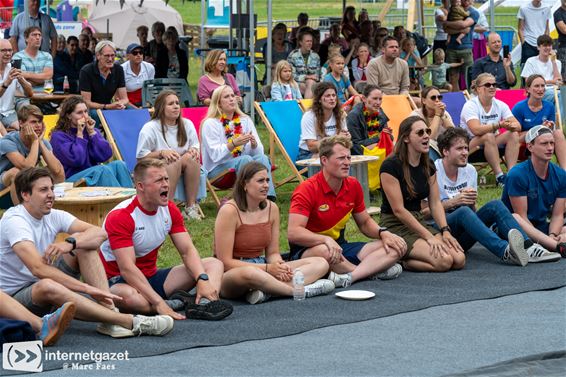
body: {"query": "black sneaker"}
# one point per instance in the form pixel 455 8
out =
pixel 561 249
pixel 501 180
pixel 210 311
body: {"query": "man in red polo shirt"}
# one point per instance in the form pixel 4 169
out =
pixel 320 208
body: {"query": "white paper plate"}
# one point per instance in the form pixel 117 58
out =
pixel 355 295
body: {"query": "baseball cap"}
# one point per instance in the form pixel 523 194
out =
pixel 535 132
pixel 132 47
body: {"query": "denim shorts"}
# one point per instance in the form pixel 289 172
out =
pixel 350 251
pixel 23 296
pixel 256 260
pixel 156 281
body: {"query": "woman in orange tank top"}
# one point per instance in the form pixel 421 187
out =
pixel 246 239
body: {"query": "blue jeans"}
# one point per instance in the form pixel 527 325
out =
pixel 113 174
pixel 239 162
pixel 470 227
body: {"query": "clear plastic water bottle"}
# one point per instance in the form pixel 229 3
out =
pixel 298 285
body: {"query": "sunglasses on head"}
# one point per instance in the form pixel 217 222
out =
pixel 438 97
pixel 490 85
pixel 137 52
pixel 421 132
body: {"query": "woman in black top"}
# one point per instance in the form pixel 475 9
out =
pixel 407 178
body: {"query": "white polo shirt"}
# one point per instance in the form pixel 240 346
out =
pixel 135 82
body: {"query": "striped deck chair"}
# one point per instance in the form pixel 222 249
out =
pixel 283 121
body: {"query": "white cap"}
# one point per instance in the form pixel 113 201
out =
pixel 535 132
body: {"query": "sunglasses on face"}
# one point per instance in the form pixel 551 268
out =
pixel 421 132
pixel 490 85
pixel 438 97
pixel 136 52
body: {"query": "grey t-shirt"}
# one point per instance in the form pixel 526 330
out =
pixel 12 143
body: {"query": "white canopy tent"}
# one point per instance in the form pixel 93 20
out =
pixel 122 21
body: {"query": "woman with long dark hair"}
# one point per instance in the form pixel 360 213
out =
pixel 325 118
pixel 408 177
pixel 81 148
pixel 170 137
pixel 246 240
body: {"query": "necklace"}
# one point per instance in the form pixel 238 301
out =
pixel 372 122
pixel 232 133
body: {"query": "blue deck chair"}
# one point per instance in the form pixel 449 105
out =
pixel 283 121
pixel 122 128
pixel 454 103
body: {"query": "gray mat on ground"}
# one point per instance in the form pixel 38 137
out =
pixel 547 364
pixel 484 277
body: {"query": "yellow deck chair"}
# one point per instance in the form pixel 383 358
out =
pixel 305 104
pixel 397 107
pixel 50 122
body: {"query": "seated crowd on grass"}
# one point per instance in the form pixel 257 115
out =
pixel 430 215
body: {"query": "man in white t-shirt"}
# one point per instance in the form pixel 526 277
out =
pixel 136 229
pixel 41 273
pixel 457 183
pixel 545 64
pixel 533 22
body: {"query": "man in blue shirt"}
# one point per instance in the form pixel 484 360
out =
pixel 536 190
pixel 456 52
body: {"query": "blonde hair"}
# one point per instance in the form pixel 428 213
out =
pixel 212 59
pixel 282 64
pixel 482 77
pixel 214 110
pixel 438 53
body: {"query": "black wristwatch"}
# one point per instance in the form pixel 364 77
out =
pixel 202 277
pixel 381 230
pixel 73 242
pixel 445 229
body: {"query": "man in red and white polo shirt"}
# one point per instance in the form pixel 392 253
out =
pixel 136 229
pixel 320 208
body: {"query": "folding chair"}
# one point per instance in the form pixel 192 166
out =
pixel 283 121
pixel 511 96
pixel 305 104
pixel 455 101
pixel 152 88
pixel 226 179
pixel 560 103
pixel 397 107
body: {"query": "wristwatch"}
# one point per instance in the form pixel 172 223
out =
pixel 445 229
pixel 381 230
pixel 4 85
pixel 73 242
pixel 202 277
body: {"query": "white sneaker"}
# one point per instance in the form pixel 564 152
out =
pixel 192 213
pixel 257 297
pixel 340 280
pixel 158 325
pixel 115 331
pixel 319 287
pixel 538 254
pixel 392 272
pixel 515 252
